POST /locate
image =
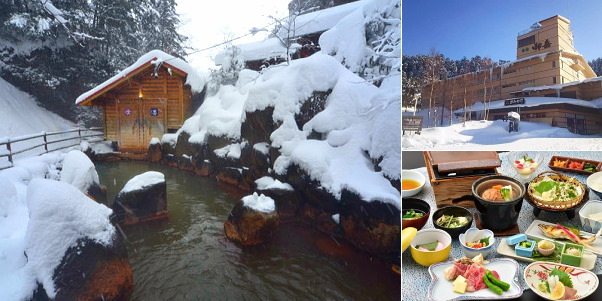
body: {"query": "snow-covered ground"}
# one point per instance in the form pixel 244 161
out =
pixel 41 217
pixel 493 135
pixel 39 214
pixel 20 114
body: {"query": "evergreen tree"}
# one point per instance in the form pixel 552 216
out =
pixel 56 50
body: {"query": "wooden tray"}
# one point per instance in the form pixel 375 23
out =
pixel 598 165
pixel 447 161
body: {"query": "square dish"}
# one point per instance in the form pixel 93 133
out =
pixel 574 259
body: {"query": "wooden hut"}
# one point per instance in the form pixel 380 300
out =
pixel 148 99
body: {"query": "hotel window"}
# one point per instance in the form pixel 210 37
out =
pixel 526 41
pixel 553 64
pixel 554 79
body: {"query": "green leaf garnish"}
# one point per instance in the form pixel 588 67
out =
pixel 545 186
pixel 431 246
pixel 485 240
pixel 562 277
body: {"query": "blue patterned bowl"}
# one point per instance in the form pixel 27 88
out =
pixel 589 224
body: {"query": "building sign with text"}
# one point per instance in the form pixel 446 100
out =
pixel 514 101
pixel 412 123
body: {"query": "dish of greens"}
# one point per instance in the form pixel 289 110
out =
pixel 450 221
pixel 412 214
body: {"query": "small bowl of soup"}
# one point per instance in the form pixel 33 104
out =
pixel 498 200
pixel 411 182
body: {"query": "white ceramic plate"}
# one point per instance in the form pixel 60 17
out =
pixel 534 232
pixel 442 289
pixel 585 282
pixel 588 261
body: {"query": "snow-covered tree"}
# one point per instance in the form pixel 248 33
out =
pixel 229 64
pixel 57 49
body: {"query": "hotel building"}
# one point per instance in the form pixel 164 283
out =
pixel 549 82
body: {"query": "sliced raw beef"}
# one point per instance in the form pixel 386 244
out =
pixel 474 278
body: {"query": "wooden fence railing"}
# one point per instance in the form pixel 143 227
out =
pixel 51 141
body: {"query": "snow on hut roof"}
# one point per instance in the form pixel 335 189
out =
pixel 269 48
pixel 320 20
pixel 153 57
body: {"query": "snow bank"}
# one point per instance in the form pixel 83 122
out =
pixel 493 135
pixel 142 181
pixel 349 119
pixel 16 280
pixel 358 117
pixel 220 115
pixel 260 203
pixel 59 215
pixel 267 183
pixel 79 171
pixel 20 114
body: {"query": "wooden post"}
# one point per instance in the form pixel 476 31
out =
pixel 10 153
pixel 79 132
pixel 45 143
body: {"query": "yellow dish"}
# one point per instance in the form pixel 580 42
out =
pixel 426 258
pixel 407 234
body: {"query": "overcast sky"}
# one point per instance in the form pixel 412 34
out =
pixel 207 23
pixel 489 28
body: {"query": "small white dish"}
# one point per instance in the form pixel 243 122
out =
pixel 472 235
pixel 584 281
pixel 407 174
pixel 594 183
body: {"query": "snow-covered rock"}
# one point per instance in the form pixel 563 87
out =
pixel 59 216
pixel 143 181
pixel 143 198
pixel 266 183
pixel 79 171
pixel 260 203
pixel 253 220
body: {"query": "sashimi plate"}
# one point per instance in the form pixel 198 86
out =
pixel 584 281
pixel 534 232
pixel 442 289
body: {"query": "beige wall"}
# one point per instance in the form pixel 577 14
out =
pixel 555 34
pixel 553 64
